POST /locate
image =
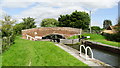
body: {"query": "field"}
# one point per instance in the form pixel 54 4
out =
pixel 98 38
pixel 37 53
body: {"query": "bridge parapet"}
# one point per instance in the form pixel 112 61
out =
pixel 43 31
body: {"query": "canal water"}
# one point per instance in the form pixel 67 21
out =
pixel 104 56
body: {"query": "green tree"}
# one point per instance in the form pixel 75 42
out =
pixel 77 19
pixel 7 32
pixel 29 23
pixel 116 35
pixel 49 22
pixel 107 23
pixel 18 27
pixel 97 29
pixel 26 24
pixel 7 26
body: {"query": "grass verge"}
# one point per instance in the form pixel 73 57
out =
pixel 37 53
pixel 98 38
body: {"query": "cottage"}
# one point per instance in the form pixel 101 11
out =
pixel 111 29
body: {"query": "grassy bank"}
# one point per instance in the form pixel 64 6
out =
pixel 98 38
pixel 37 53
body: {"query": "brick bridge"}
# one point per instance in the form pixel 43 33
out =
pixel 44 31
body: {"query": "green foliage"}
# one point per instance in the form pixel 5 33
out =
pixel 29 22
pixel 26 24
pixel 112 37
pixel 7 26
pixel 107 23
pixel 39 53
pixel 18 27
pixel 115 36
pixel 49 22
pixel 76 20
pixel 7 32
pixel 97 29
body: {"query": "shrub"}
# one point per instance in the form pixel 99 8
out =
pixel 7 32
pixel 112 37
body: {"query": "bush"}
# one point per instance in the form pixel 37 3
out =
pixel 7 33
pixel 112 37
pixel 6 42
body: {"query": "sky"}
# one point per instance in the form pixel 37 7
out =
pixel 40 9
pixel 119 9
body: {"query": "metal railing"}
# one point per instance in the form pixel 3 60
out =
pixel 86 52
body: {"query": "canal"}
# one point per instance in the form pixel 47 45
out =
pixel 102 55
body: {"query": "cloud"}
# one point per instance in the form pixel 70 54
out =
pixel 16 3
pixel 49 10
pixel 100 4
pixel 85 3
pixel 41 9
pixel 2 12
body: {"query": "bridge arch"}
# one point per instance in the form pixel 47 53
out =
pixel 49 36
pixel 43 31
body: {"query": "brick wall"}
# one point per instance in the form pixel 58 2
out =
pixel 43 31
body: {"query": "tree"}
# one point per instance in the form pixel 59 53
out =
pixel 77 19
pixel 107 23
pixel 29 22
pixel 26 24
pixel 96 29
pixel 7 26
pixel 7 32
pixel 115 36
pixel 49 22
pixel 18 27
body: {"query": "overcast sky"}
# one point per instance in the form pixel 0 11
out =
pixel 40 9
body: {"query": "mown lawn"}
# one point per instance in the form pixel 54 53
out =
pixel 98 38
pixel 37 53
